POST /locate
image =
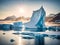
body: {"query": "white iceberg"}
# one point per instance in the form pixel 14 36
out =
pixel 37 19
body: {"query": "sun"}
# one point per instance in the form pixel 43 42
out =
pixel 22 10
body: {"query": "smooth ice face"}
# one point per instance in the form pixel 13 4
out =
pixel 41 22
pixel 37 19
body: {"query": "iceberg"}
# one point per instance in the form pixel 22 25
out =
pixel 37 19
pixel 17 24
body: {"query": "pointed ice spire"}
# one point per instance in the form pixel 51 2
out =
pixel 37 19
pixel 41 9
pixel 41 22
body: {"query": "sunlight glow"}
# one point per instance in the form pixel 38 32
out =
pixel 22 10
pixel 23 28
pixel 47 30
pixel 20 41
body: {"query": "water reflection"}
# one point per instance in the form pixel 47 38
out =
pixel 28 37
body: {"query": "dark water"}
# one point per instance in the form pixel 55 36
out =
pixel 29 38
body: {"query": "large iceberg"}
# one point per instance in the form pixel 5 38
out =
pixel 37 19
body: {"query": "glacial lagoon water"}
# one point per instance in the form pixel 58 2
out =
pixel 29 38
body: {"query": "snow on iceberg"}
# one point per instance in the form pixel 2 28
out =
pixel 37 19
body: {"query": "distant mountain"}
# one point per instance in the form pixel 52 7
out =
pixel 19 18
pixel 56 18
pixel 51 15
pixel 48 19
pixel 1 19
pixel 22 18
pixel 53 18
pixel 13 18
pixel 10 18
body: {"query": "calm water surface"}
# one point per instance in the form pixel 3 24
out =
pixel 8 38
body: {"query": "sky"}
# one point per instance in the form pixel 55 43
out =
pixel 26 7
